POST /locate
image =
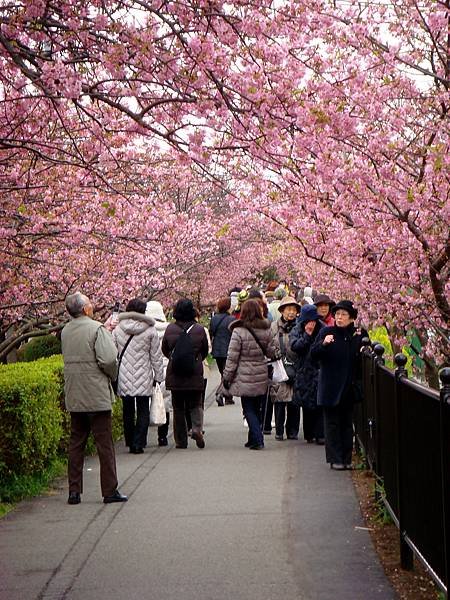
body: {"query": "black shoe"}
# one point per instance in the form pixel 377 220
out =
pixel 309 441
pixel 337 466
pixel 219 400
pixel 247 444
pixel 280 438
pixel 116 497
pixel 198 437
pixel 292 437
pixel 267 432
pixel 181 446
pixel 163 442
pixel 74 498
pixel 320 441
pixel 229 401
pixel 136 450
pixel 257 447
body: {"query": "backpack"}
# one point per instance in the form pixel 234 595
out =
pixel 183 357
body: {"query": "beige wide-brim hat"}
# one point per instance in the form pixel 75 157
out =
pixel 289 301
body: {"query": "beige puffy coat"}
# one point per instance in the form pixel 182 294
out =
pixel 90 362
pixel 246 366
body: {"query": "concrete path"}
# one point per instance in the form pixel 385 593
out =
pixel 223 523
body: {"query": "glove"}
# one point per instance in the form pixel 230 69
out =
pixel 226 384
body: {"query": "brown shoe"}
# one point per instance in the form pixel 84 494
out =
pixel 198 437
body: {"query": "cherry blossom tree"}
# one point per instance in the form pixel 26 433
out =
pixel 321 126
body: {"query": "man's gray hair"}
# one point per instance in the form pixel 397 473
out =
pixel 75 304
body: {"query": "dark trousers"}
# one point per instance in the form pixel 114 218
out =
pixel 136 419
pixel 100 423
pixel 221 366
pixel 287 414
pixel 163 430
pixel 182 401
pixel 339 433
pixel 313 427
pixel 187 412
pixel 253 408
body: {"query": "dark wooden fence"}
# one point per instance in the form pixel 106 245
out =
pixel 403 429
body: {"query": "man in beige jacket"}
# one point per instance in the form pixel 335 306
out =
pixel 90 363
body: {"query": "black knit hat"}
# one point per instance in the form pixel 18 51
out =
pixel 346 305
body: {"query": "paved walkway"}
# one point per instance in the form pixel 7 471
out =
pixel 223 523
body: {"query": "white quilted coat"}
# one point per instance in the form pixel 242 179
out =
pixel 142 361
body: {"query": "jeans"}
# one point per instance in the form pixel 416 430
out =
pixel 136 419
pixel 338 433
pixel 253 408
pixel 290 413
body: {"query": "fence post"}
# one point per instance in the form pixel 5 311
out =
pixel 377 361
pixel 406 554
pixel 445 466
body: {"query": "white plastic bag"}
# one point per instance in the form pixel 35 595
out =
pixel 279 372
pixel 157 407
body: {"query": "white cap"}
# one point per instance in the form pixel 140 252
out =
pixel 307 295
pixel 155 310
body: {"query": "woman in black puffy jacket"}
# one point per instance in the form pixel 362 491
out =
pixel 301 339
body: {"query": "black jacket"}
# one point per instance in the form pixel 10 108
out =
pixel 340 375
pixel 307 371
pixel 220 334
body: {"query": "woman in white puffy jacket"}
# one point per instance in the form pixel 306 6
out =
pixel 155 311
pixel 140 369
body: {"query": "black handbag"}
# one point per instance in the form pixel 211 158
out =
pixel 115 382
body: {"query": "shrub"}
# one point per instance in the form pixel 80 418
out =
pixel 379 335
pixel 39 347
pixel 34 425
pixel 30 417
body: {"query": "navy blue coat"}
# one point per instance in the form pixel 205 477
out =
pixel 307 370
pixel 340 375
pixel 220 334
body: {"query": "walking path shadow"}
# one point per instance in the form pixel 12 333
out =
pixel 214 524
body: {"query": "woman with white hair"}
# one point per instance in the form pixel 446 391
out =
pixel 155 310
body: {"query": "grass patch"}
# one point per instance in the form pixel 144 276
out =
pixel 19 487
pixel 5 508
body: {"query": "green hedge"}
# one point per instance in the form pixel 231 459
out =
pixel 39 347
pixel 30 417
pixel 34 426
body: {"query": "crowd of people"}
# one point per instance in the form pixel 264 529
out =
pixel 315 339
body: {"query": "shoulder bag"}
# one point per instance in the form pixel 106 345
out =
pixel 288 364
pixel 216 329
pixel 275 368
pixel 115 383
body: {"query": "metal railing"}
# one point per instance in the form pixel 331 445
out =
pixel 403 429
